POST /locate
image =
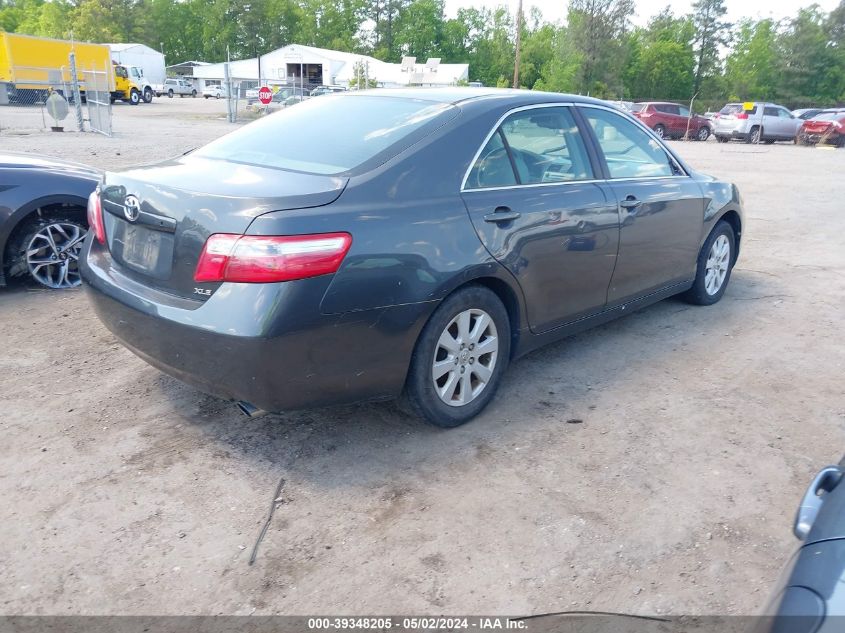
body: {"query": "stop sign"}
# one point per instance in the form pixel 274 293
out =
pixel 265 95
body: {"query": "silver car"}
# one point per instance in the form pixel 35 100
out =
pixel 764 122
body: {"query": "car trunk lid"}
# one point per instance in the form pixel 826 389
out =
pixel 158 218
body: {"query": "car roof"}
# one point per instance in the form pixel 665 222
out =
pixel 457 95
pixel 656 103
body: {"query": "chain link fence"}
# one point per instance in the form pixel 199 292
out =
pixel 43 98
pixel 244 99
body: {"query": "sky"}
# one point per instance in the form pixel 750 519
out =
pixel 555 10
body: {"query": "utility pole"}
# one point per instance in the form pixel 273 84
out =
pixel 518 46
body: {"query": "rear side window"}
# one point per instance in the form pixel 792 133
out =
pixel 736 108
pixel 668 108
pixel 536 146
pixel 493 167
pixel 629 150
pixel 638 107
pixel 332 134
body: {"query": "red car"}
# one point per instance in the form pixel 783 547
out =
pixel 827 127
pixel 669 120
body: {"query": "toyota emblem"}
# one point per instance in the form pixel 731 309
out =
pixel 131 208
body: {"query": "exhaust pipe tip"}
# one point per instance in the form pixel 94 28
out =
pixel 250 410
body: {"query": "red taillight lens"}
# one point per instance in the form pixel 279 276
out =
pixel 742 115
pixel 95 217
pixel 260 258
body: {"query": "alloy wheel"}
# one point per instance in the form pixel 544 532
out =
pixel 465 358
pixel 718 262
pixel 52 255
pixel 659 131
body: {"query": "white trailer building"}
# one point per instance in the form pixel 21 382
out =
pixel 319 66
pixel 148 59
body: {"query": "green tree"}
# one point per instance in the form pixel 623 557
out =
pixel 712 33
pixel 752 70
pixel 661 59
pixel 598 30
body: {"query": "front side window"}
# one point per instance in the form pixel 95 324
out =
pixel 684 111
pixel 536 146
pixel 785 114
pixel 770 111
pixel 629 150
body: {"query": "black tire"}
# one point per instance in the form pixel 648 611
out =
pixel 754 135
pixel 148 95
pixel 193 93
pixel 722 139
pixel 660 130
pixel 420 396
pixel 134 97
pixel 769 141
pixel 703 133
pixel 15 259
pixel 698 294
pixel 170 93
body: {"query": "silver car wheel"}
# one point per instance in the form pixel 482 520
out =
pixel 465 357
pixel 718 262
pixel 52 255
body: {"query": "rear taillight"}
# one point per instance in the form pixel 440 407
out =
pixel 266 258
pixel 742 115
pixel 95 216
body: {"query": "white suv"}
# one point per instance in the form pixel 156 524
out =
pixel 766 122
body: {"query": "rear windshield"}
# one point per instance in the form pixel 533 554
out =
pixel 330 134
pixel 829 116
pixel 638 107
pixel 731 108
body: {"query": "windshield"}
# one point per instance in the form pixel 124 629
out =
pixel 328 135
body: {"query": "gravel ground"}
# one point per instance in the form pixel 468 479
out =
pixel 125 492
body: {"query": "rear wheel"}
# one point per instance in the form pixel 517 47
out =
pixel 703 133
pixel 459 358
pixel 193 93
pixel 660 130
pixel 715 262
pixel 722 139
pixel 754 135
pixel 769 141
pixel 170 93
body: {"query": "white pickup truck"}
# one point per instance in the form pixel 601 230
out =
pixel 173 87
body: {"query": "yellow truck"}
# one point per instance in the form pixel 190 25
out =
pixel 30 67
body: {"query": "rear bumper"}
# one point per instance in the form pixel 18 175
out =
pixel 267 344
pixel 811 138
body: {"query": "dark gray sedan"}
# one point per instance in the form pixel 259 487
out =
pixel 391 243
pixel 42 218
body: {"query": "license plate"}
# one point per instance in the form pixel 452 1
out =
pixel 141 248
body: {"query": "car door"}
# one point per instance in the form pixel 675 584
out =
pixel 661 209
pixel 772 124
pixel 534 199
pixel 673 117
pixel 685 120
pixel 788 122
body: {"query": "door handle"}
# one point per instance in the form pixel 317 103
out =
pixel 630 203
pixel 502 214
